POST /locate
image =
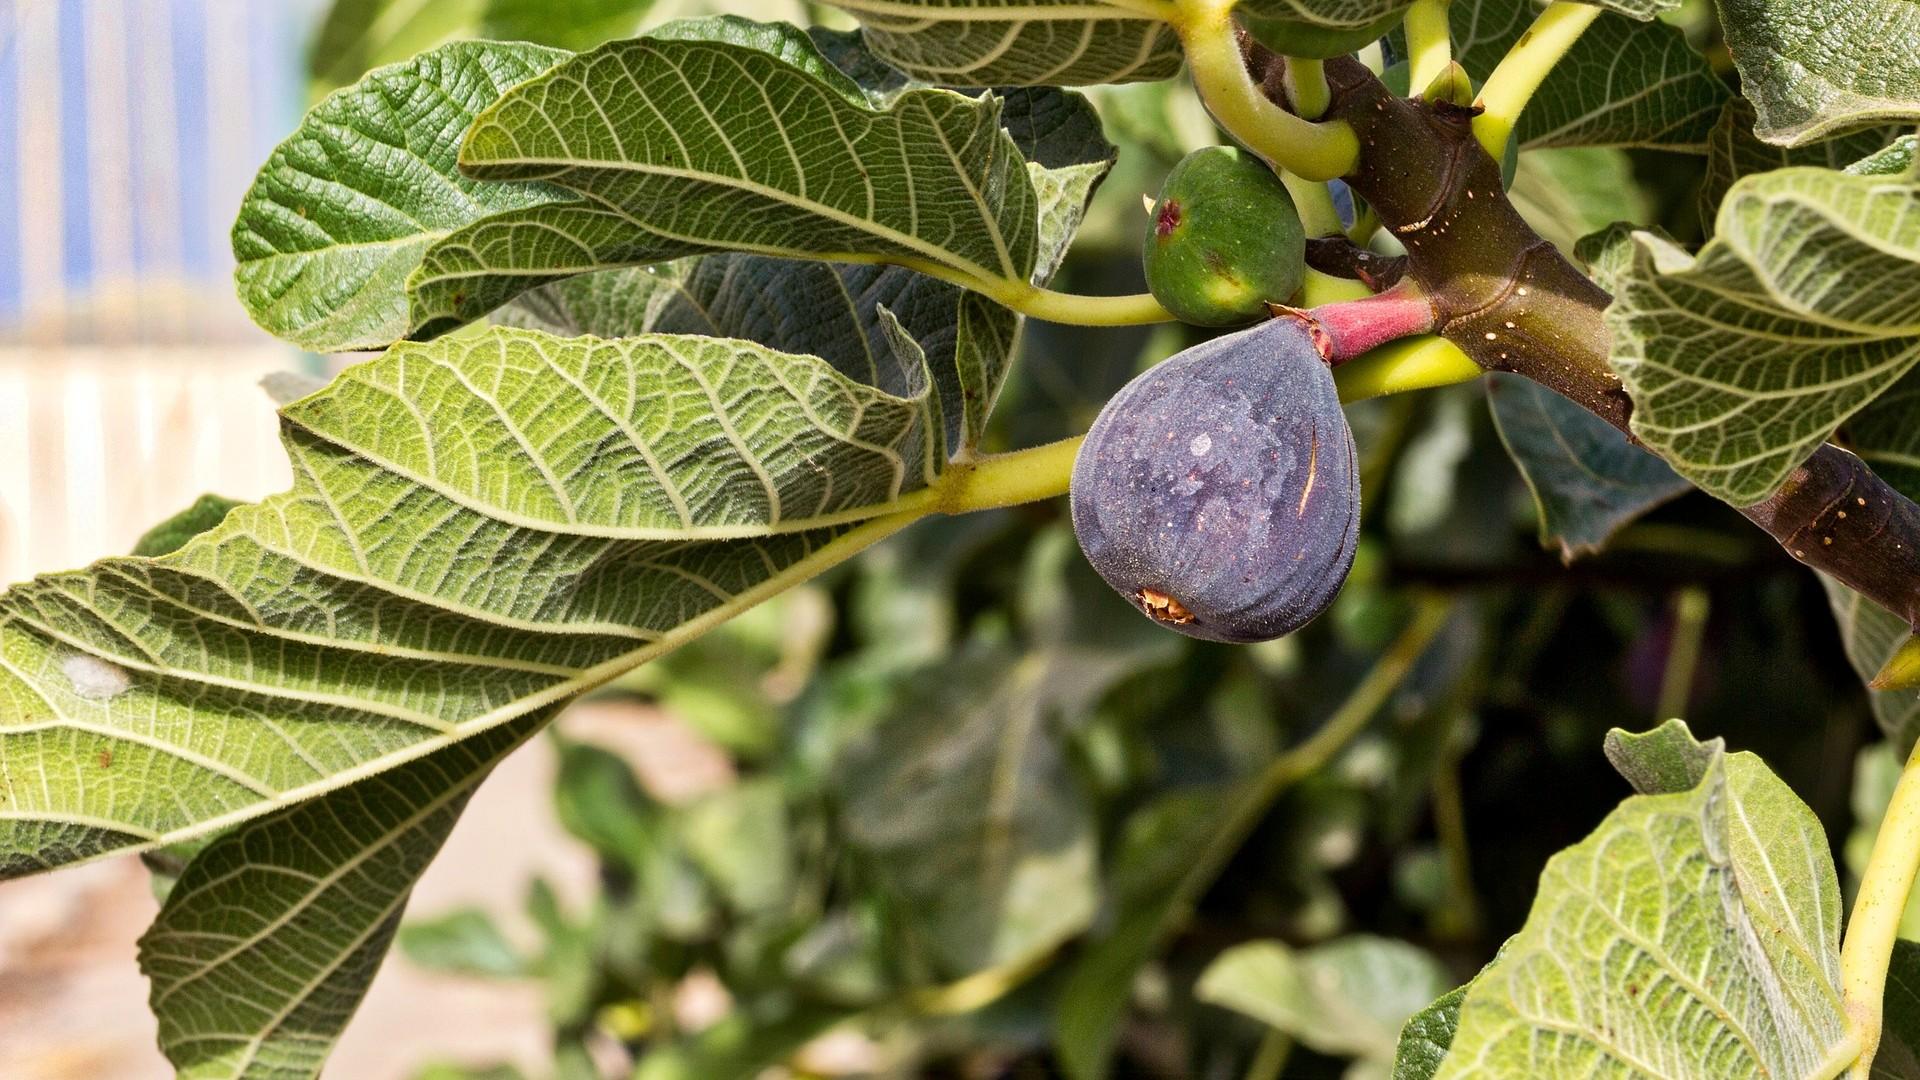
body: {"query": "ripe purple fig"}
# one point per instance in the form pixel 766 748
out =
pixel 1219 491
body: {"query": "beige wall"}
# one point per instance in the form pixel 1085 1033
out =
pixel 99 444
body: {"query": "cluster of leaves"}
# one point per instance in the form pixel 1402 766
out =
pixel 750 294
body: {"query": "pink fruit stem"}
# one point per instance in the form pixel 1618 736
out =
pixel 1347 328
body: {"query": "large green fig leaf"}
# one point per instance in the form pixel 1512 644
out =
pixel 267 944
pixel 1020 42
pixel 1745 357
pixel 1814 69
pixel 1624 83
pixel 1696 932
pixel 1587 479
pixel 479 529
pixel 343 210
pixel 832 310
pixel 678 147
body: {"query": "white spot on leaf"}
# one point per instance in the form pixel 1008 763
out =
pixel 94 678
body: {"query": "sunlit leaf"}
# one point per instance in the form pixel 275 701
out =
pixel 1694 933
pixel 267 944
pixel 344 209
pixel 1743 358
pixel 679 145
pixel 479 529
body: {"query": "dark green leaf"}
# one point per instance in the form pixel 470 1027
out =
pixel 1587 479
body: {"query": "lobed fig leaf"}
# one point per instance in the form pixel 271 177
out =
pixel 1219 492
pixel 1223 239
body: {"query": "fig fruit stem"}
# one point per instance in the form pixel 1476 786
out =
pixel 1315 151
pixel 1429 41
pixel 1524 68
pixel 1344 329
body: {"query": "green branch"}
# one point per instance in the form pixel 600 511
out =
pixel 1316 151
pixel 1524 68
pixel 1875 919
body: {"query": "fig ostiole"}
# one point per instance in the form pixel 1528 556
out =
pixel 1218 492
pixel 1223 240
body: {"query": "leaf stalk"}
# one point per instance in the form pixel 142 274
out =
pixel 1524 68
pixel 1314 150
pixel 1429 42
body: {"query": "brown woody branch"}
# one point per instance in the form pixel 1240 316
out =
pixel 1512 302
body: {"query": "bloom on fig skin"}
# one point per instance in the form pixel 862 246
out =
pixel 1219 492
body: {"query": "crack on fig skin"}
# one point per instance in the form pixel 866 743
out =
pixel 1163 608
pixel 1313 467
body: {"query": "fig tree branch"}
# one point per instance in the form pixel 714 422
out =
pixel 1510 301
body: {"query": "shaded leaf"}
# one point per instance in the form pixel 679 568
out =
pixel 1814 70
pixel 1347 998
pixel 463 942
pixel 172 534
pixel 1587 480
pixel 264 949
pixel 566 24
pixel 1743 358
pixel 1694 933
pixel 344 209
pixel 1871 635
pixel 1899 1055
pixel 963 802
pixel 1734 151
pixel 1569 193
pixel 1018 42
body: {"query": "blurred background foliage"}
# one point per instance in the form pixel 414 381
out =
pixel 978 819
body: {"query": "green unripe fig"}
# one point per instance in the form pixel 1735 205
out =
pixel 1223 239
pixel 1297 37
